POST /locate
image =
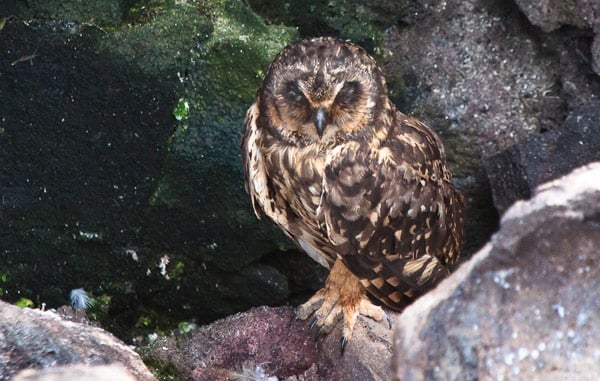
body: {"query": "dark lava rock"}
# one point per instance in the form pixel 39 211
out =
pixel 41 339
pixel 550 15
pixel 515 172
pixel 474 72
pixel 270 342
pixel 524 307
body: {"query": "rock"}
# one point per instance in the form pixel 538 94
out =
pixel 515 172
pixel 41 339
pixel 524 307
pixel 199 208
pixel 482 77
pixel 578 82
pixel 363 21
pixel 98 12
pixel 552 14
pixel 271 342
pixel 483 83
pixel 76 373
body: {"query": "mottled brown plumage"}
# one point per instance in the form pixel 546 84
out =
pixel 362 188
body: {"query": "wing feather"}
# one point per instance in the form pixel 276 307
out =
pixel 255 174
pixel 392 213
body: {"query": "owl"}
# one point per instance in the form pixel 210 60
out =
pixel 360 187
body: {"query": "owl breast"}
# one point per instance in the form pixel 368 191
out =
pixel 297 175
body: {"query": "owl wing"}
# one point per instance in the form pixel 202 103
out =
pixel 306 232
pixel 255 176
pixel 391 212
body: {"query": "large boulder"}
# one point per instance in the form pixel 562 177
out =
pixel 472 71
pixel 525 306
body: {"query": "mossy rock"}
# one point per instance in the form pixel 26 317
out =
pixel 202 176
pixel 161 39
pixel 363 22
pixel 116 164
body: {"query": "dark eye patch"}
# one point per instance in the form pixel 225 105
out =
pixel 349 94
pixel 293 94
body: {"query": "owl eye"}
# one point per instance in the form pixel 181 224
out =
pixel 349 94
pixel 293 93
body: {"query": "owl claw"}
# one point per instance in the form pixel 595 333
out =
pixel 389 321
pixel 313 323
pixel 342 297
pixel 343 341
pixel 318 334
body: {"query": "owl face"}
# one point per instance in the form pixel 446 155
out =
pixel 321 90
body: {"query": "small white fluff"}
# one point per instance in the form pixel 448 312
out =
pixel 253 373
pixel 79 299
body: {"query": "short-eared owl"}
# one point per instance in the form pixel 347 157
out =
pixel 362 188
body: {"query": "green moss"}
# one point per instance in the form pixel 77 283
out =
pixel 24 303
pixel 99 309
pixel 160 39
pixel 181 109
pixel 162 371
pixel 363 22
pixel 177 271
pixel 238 51
pixel 224 72
pixel 185 327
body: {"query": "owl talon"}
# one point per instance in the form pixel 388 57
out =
pixel 343 341
pixel 389 321
pixel 342 297
pixel 319 333
pixel 313 323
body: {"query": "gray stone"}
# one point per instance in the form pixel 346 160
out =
pixel 515 172
pixel 525 306
pixel 41 339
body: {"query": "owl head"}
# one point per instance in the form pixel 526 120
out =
pixel 321 90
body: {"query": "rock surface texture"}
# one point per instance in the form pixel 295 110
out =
pixel 41 339
pixel 550 15
pixel 76 373
pixel 270 342
pixel 525 306
pixel 517 171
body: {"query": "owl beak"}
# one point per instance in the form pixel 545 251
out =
pixel 320 120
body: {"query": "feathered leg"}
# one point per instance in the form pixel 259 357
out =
pixel 342 297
